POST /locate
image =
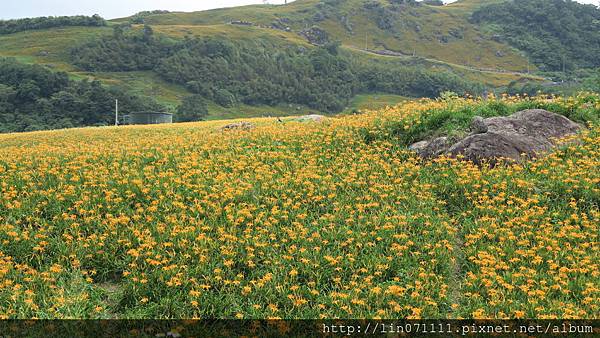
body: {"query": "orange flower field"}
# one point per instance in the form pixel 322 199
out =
pixel 335 219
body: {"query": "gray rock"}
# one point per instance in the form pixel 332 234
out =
pixel 436 147
pixel 490 147
pixel 524 135
pixel 537 123
pixel 431 149
pixel 419 146
pixel 243 125
pixel 316 35
pixel 478 125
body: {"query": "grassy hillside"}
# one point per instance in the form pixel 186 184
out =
pixel 441 33
pixel 298 220
pixel 51 47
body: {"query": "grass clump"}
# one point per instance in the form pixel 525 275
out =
pixel 452 116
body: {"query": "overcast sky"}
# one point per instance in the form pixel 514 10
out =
pixel 109 9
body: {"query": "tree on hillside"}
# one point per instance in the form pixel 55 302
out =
pixel 7 94
pixel 592 83
pixel 224 98
pixel 148 33
pixel 192 108
pixel 20 25
pixel 34 98
pixel 259 72
pixel 558 35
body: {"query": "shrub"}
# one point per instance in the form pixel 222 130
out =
pixel 193 108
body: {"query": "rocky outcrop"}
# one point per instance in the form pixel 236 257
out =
pixel 434 148
pixel 524 135
pixel 478 125
pixel 316 36
pixel 418 147
pixel 238 126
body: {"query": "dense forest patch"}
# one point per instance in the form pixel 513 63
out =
pixel 556 34
pixel 26 24
pixel 261 72
pixel 35 98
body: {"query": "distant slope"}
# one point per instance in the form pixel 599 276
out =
pixel 556 34
pixel 439 32
pixel 29 24
pixel 435 32
pixel 436 38
pixel 35 98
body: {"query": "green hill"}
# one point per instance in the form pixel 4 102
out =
pixel 439 32
pixel 424 45
pixel 556 34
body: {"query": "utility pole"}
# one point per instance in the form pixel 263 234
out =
pixel 367 41
pixel 116 112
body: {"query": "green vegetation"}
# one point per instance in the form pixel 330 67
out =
pixel 34 98
pixel 593 82
pixel 453 117
pixel 138 18
pixel 375 101
pixel 52 48
pixel 441 33
pixel 567 83
pixel 260 72
pixel 20 25
pixel 556 34
pixel 193 108
pixel 120 52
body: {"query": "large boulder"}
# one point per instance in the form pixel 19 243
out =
pixel 478 125
pixel 433 148
pixel 419 146
pixel 535 123
pixel 492 147
pixel 521 136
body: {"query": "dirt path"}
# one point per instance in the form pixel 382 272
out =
pixel 392 54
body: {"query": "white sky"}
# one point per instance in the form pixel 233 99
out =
pixel 109 9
